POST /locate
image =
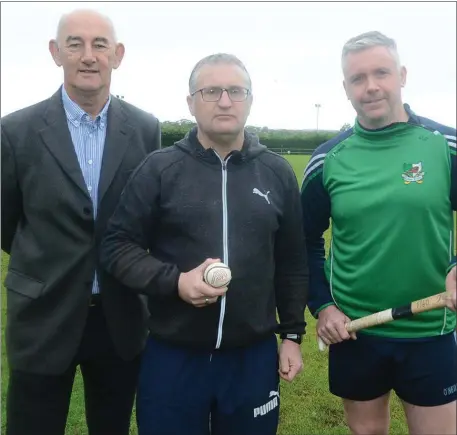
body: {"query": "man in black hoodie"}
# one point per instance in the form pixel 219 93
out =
pixel 217 195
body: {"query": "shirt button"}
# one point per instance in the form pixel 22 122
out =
pixel 90 162
pixel 89 188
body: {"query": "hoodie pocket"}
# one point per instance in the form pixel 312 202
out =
pixel 23 284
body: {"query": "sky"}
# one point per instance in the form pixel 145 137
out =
pixel 291 50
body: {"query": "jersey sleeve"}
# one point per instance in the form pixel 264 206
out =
pixel 315 203
pixel 291 271
pixel 451 140
pixel 125 247
pixel 449 134
pixel 452 146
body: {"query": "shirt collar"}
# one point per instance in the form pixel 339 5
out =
pixel 76 115
pixel 412 117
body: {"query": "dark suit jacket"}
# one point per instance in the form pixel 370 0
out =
pixel 50 233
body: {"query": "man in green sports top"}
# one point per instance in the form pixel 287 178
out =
pixel 389 186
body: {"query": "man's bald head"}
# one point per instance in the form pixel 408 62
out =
pixel 87 50
pixel 87 16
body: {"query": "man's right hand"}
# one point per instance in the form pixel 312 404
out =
pixel 331 326
pixel 193 289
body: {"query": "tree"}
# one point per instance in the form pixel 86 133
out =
pixel 346 126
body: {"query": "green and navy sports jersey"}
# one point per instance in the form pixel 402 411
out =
pixel 390 195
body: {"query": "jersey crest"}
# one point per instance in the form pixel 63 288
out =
pixel 412 173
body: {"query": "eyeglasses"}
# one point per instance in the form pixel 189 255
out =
pixel 214 93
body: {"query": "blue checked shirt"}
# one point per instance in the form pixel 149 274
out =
pixel 88 138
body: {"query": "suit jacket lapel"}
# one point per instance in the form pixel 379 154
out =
pixel 57 139
pixel 116 143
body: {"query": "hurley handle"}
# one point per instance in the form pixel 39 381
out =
pixel 419 306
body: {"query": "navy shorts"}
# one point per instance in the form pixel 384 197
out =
pixel 422 372
pixel 230 392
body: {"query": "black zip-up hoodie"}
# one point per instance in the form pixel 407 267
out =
pixel 183 204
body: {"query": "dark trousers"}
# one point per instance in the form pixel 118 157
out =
pixel 38 404
pixel 179 389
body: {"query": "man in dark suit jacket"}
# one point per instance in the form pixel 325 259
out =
pixel 65 162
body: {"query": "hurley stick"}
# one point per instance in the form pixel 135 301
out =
pixel 419 306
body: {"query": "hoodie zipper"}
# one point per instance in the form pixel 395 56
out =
pixel 224 243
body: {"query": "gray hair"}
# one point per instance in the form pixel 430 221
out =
pixel 369 40
pixel 214 59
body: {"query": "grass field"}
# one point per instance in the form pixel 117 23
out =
pixel 307 408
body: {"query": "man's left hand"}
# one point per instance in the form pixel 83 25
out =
pixel 290 360
pixel 451 288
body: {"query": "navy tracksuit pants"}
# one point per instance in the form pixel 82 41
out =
pixel 179 389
